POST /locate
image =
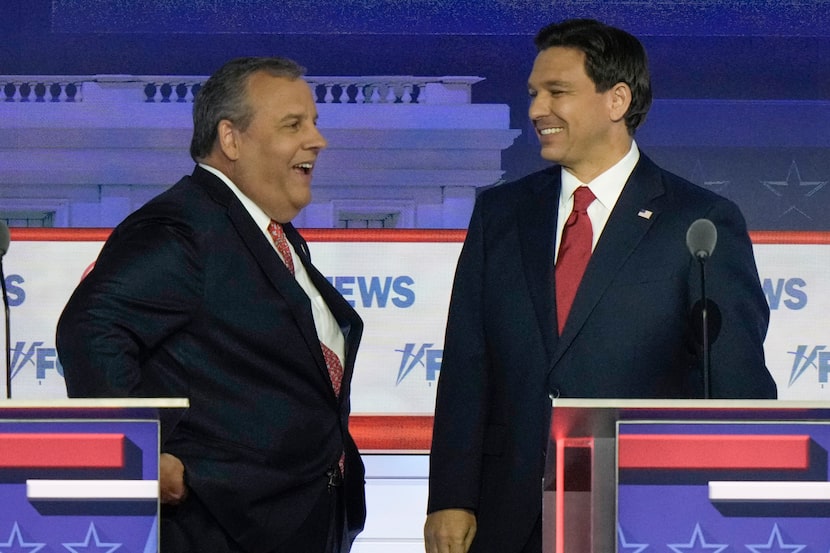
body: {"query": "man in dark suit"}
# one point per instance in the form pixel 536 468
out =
pixel 516 336
pixel 199 295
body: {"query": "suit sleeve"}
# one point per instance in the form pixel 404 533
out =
pixel 145 285
pixel 738 369
pixel 460 413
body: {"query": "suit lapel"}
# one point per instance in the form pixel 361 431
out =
pixel 623 232
pixel 347 318
pixel 272 266
pixel 536 215
pixel 341 309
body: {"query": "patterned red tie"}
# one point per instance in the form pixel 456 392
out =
pixel 574 253
pixel 281 242
pixel 333 364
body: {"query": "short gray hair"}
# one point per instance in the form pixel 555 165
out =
pixel 223 96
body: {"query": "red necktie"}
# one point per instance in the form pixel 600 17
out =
pixel 574 253
pixel 333 364
pixel 281 242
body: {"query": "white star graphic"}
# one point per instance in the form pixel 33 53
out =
pixel 791 192
pixel 697 544
pixel 624 546
pixel 778 546
pixel 87 547
pixel 699 178
pixel 17 537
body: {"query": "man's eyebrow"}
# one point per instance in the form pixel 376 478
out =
pixel 553 83
pixel 291 116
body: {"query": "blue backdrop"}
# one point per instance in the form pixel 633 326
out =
pixel 771 53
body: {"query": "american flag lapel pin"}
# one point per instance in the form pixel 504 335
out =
pixel 645 214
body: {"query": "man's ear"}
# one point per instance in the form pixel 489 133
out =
pixel 620 100
pixel 228 139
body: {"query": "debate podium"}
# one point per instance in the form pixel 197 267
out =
pixel 633 476
pixel 81 474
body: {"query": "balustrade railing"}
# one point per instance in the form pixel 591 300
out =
pixel 40 89
pixel 399 89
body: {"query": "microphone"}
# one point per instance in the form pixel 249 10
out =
pixel 4 247
pixel 4 238
pixel 701 239
pixel 713 323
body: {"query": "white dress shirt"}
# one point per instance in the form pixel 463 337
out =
pixel 607 188
pixel 328 331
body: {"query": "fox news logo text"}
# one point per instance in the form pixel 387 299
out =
pixel 376 291
pixel 15 292
pixel 785 293
pixel 423 356
pixel 806 357
pixel 34 356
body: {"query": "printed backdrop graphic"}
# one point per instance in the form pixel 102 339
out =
pixel 52 493
pixel 400 282
pixel 763 489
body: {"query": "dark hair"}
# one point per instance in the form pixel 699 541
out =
pixel 224 96
pixel 611 56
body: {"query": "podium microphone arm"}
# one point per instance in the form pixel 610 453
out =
pixel 704 320
pixel 4 247
pixel 701 239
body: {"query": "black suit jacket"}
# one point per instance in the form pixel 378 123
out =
pixel 188 299
pixel 628 335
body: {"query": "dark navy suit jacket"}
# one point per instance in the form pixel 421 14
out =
pixel 629 333
pixel 188 299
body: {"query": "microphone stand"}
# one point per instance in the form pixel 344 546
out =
pixel 8 333
pixel 704 316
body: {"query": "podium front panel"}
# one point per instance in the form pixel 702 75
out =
pixel 678 476
pixel 81 475
pixel 736 487
pixel 67 484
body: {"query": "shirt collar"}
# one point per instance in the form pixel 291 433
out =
pixel 261 219
pixel 608 186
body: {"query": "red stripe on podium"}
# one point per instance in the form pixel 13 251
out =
pixel 392 433
pixel 52 450
pixel 719 451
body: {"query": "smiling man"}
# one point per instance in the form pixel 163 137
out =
pixel 576 282
pixel 208 292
